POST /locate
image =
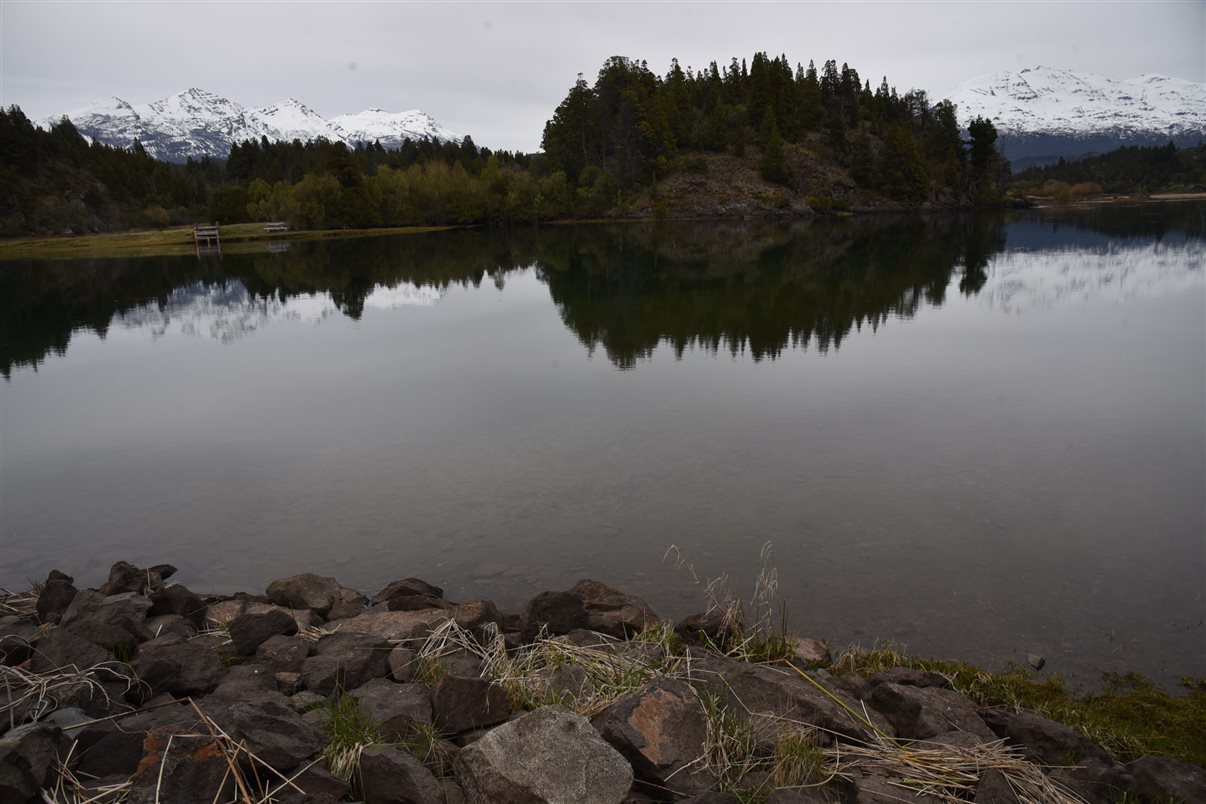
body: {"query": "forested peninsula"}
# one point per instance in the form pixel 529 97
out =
pixel 749 138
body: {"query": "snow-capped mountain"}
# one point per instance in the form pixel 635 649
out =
pixel 1043 113
pixel 196 123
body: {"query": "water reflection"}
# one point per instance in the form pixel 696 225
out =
pixel 626 289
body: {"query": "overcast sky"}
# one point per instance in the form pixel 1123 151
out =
pixel 497 70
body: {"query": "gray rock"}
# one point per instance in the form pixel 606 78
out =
pixel 171 664
pixel 53 600
pixel 407 587
pixel 170 625
pixel 994 788
pixel 874 789
pixel 284 653
pixel 1044 741
pixel 176 599
pixel 109 750
pixel 566 680
pixel 306 591
pixel 588 604
pixel 918 713
pixel 660 729
pixel 347 660
pixel 26 755
pixel 1036 661
pixel 401 626
pixel 390 776
pixel 395 709
pixel 249 631
pixel 249 680
pixel 402 664
pixel 708 628
pixel 125 577
pixel 17 637
pixel 460 704
pixel 102 619
pixel 272 730
pixel 1161 779
pixel 311 785
pixel 62 648
pixel 909 677
pixel 549 755
pixel 812 652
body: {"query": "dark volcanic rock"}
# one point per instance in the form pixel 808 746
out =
pixel 407 587
pixel 272 730
pixel 63 648
pixel 1162 779
pixel 306 591
pixel 316 785
pixel 403 662
pixel 172 664
pixel 477 616
pixel 345 660
pixel 804 795
pixel 460 704
pixel 176 599
pixel 660 729
pixel 55 597
pixel 395 709
pixel 284 653
pixel 1044 741
pixel 909 677
pixel 125 577
pixel 708 627
pixel 395 625
pixel 563 760
pixel 390 776
pixel 994 788
pixel 17 636
pixel 249 631
pixel 180 769
pixel 591 605
pixel 919 713
pixel 26 754
pixel 170 625
pixel 103 619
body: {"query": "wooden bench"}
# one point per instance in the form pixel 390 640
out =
pixel 277 226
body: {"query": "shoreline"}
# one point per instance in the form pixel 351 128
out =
pixel 343 694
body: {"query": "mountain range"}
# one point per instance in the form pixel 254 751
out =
pixel 1043 113
pixel 195 123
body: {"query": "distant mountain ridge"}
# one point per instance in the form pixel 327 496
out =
pixel 1043 113
pixel 196 123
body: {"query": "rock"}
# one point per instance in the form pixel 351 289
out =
pixel 390 776
pixel 660 729
pixel 477 616
pixel 798 795
pixel 17 637
pixel 1044 741
pixel 55 575
pixel 110 750
pixel 994 788
pixel 221 613
pixel 272 730
pixel 171 664
pixel 306 591
pixel 812 652
pixel 103 619
pixel 402 664
pixel 176 599
pixel 549 755
pixel 53 600
pixel 460 663
pixel 588 604
pixel 352 597
pixel 707 628
pixel 125 577
pixel 1164 779
pixel 247 681
pixel 1094 781
pixel 919 713
pixel 346 659
pixel 64 649
pixel 26 755
pixel 407 587
pixel 395 709
pixel 460 704
pixel 311 784
pixel 713 797
pixel 397 626
pixel 170 625
pixel 1036 661
pixel 249 631
pixel 284 653
pixel 180 769
pixel 908 677
pixel 875 789
pixel 416 603
pixel 569 681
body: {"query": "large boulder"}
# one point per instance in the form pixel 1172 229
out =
pixel 53 600
pixel 26 755
pixel 112 621
pixel 919 713
pixel 1043 740
pixel 125 577
pixel 176 599
pixel 64 649
pixel 1164 779
pixel 249 631
pixel 591 605
pixel 284 653
pixel 407 587
pixel 310 784
pixel 272 730
pixel 391 776
pixel 17 637
pixel 347 660
pixel 662 730
pixel 182 769
pixel 549 755
pixel 396 626
pixel 396 710
pixel 460 704
pixel 172 664
pixel 306 591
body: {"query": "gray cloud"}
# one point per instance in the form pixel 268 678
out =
pixel 497 70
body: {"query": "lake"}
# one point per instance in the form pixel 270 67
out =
pixel 980 437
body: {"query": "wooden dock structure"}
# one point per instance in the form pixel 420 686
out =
pixel 207 240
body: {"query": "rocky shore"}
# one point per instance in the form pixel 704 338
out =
pixel 144 691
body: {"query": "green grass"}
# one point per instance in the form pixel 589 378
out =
pixel 1129 718
pixel 236 238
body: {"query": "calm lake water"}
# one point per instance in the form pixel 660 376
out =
pixel 979 437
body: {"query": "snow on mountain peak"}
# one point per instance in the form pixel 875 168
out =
pixel 195 123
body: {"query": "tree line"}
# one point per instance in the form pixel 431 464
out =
pixel 605 143
pixel 1130 169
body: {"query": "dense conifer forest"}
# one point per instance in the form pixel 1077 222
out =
pixel 794 139
pixel 1130 169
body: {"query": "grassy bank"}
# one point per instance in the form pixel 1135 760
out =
pixel 237 238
